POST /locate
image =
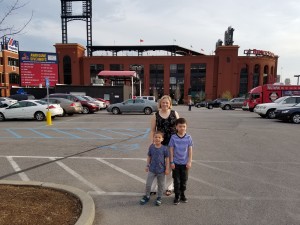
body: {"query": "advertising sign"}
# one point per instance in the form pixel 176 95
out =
pixel 35 67
pixel 13 45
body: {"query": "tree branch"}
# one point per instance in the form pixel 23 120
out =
pixel 11 30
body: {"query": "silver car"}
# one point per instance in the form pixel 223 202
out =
pixel 232 104
pixel 133 106
pixel 68 106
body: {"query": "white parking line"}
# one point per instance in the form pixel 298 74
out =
pixel 79 177
pixel 122 171
pixel 16 167
pixel 216 186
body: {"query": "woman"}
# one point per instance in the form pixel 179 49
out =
pixel 164 121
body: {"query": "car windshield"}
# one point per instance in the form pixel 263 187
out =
pixel 278 100
pixel 88 98
pixel 81 98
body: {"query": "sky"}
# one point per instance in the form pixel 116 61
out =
pixel 270 25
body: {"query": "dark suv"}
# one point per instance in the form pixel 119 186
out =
pixel 88 107
pixel 215 103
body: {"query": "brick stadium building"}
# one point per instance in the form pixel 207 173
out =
pixel 180 74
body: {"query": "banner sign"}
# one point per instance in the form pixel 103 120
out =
pixel 36 66
pixel 257 52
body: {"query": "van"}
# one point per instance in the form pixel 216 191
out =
pixel 150 98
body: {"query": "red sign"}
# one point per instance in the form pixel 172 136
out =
pixel 36 66
pixel 258 52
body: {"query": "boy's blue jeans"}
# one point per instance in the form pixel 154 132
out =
pixel 180 177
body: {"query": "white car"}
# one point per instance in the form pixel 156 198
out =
pixel 30 109
pixel 100 104
pixel 266 110
pixel 7 101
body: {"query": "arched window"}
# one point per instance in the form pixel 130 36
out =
pixel 243 81
pixel 256 75
pixel 67 70
pixel 266 74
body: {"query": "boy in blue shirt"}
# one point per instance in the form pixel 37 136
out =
pixel 157 167
pixel 181 145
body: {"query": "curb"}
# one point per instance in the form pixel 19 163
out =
pixel 87 216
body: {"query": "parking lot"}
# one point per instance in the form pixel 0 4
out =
pixel 245 169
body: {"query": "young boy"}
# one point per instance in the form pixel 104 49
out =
pixel 181 145
pixel 157 167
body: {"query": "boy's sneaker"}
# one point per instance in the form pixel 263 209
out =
pixel 183 199
pixel 144 200
pixel 158 201
pixel 176 201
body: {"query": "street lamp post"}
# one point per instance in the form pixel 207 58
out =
pixel 297 78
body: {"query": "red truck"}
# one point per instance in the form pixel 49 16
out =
pixel 268 93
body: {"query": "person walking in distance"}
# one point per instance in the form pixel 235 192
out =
pixel 164 121
pixel 157 167
pixel 181 145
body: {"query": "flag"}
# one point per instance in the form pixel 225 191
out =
pixel 141 40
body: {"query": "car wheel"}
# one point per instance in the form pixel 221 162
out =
pixel 64 113
pixel 227 107
pixel 198 106
pixel 210 106
pixel 147 111
pixel 85 110
pixel 39 116
pixel 271 113
pixel 296 118
pixel 115 111
pixel 2 118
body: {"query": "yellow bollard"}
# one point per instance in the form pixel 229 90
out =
pixel 49 119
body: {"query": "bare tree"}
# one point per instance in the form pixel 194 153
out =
pixel 11 29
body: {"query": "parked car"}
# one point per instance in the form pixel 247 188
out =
pixel 7 101
pixel 133 106
pixel 30 109
pixel 215 103
pixel 200 104
pixel 232 104
pixel 289 114
pixel 267 110
pixel 100 104
pixel 107 102
pixel 20 97
pixel 88 107
pixel 3 105
pixel 150 98
pixel 69 107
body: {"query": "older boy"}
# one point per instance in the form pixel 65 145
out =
pixel 181 159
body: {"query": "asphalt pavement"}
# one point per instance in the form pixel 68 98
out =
pixel 245 169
